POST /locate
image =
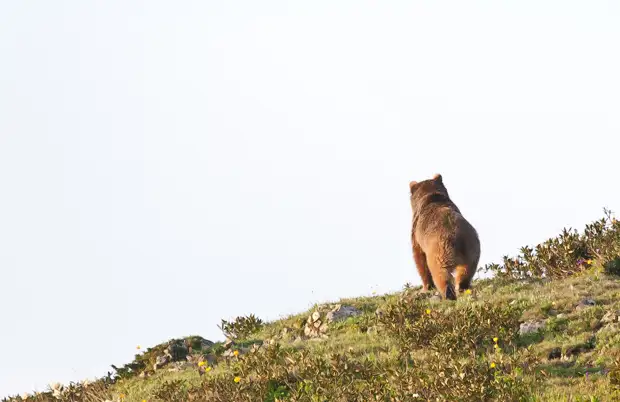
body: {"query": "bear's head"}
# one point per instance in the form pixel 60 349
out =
pixel 426 191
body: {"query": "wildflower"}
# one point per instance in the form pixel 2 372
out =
pixel 122 396
pixel 493 365
pixel 200 364
pixel 428 311
pixel 588 262
pixel 495 339
pixel 208 369
pixel 236 353
pixel 237 379
pixel 467 291
pixel 496 346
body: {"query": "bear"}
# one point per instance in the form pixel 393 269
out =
pixel 444 242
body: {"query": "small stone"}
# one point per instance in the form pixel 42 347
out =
pixel 555 353
pixel 315 316
pixel 585 303
pixel 531 326
pixel 610 317
pixel 160 362
pixel 340 313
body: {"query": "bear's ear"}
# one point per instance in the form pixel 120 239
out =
pixel 411 185
pixel 437 177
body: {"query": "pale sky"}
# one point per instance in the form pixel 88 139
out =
pixel 164 165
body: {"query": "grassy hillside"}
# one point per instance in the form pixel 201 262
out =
pixel 545 327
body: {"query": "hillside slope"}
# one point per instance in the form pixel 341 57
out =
pixel 545 327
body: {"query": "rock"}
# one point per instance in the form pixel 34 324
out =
pixel 611 317
pixel 340 313
pixel 531 326
pixel 315 327
pixel 195 343
pixel 585 303
pixel 575 350
pixel 555 353
pixel 176 350
pixel 160 362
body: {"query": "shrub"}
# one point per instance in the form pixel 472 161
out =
pixel 241 327
pixel 467 329
pixel 298 375
pixel 567 254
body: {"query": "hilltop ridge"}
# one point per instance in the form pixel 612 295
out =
pixel 545 327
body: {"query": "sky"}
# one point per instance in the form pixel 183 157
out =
pixel 164 165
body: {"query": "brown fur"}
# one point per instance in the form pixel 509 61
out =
pixel 444 242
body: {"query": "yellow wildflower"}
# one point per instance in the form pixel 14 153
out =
pixel 208 369
pixel 237 379
pixel 493 365
pixel 121 396
pixel 200 364
pixel 236 353
pixel 495 339
pixel 428 311
pixel 467 291
pixel 588 262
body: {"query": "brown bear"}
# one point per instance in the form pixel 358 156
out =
pixel 444 242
